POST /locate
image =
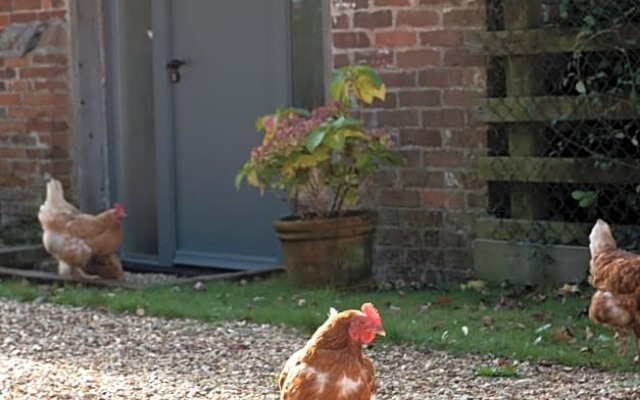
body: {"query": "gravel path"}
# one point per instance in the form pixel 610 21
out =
pixel 54 352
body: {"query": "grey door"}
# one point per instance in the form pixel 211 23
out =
pixel 236 67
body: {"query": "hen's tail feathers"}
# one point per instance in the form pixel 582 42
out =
pixel 601 239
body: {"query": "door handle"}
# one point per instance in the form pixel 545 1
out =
pixel 173 66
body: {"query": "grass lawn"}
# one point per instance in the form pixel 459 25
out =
pixel 510 323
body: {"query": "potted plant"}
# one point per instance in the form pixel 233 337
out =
pixel 321 160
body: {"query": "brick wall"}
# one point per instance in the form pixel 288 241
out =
pixel 427 209
pixel 34 117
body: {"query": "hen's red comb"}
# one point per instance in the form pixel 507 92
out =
pixel 372 314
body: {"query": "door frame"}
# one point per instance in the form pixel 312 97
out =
pixel 163 130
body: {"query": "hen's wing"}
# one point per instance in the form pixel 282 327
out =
pixel 616 271
pixel 613 310
pixel 288 366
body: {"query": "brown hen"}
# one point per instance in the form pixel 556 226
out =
pixel 616 275
pixel 332 365
pixel 84 245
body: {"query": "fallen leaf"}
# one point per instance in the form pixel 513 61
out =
pixel 465 330
pixel 301 302
pixel 568 289
pixel 476 284
pixel 562 334
pixel 541 316
pixel 588 333
pixel 487 320
pixel 424 308
pixel 395 310
pixel 543 328
pixel 443 300
pixel 538 340
pixel 140 312
pixel 518 325
pixel 200 286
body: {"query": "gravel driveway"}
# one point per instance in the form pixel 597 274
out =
pixel 54 352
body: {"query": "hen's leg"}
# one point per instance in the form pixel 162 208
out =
pixel 80 274
pixel 623 341
pixel 636 330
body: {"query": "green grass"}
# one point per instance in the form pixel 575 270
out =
pixel 497 322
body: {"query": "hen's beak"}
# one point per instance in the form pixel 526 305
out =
pixel 380 331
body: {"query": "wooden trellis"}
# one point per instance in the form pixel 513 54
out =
pixel 527 246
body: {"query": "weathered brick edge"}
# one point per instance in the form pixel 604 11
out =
pixel 428 208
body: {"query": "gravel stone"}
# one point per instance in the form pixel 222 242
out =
pixel 49 351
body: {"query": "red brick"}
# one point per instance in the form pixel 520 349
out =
pixel 400 198
pixel 464 18
pixel 398 118
pixel 46 125
pixel 442 38
pixel 4 19
pixel 23 17
pixel 372 20
pixel 413 157
pixel 341 21
pixel 21 5
pixel 5 6
pixel 12 152
pixel 58 59
pixel 18 86
pixel 3 86
pixel 16 62
pixel 444 118
pixel 441 77
pixel 390 102
pixel 50 85
pixel 375 58
pixel 439 3
pixel 400 79
pixel 443 199
pixel 9 98
pixel 424 257
pixel 43 72
pixel 58 3
pixel 61 167
pixel 396 38
pixel 420 98
pixel 459 97
pixel 27 112
pixel 462 58
pixel 350 40
pixel 396 236
pixel 7 73
pixel 443 158
pixel 341 60
pixel 419 177
pixel 12 126
pixel 23 140
pixel 420 137
pixel 468 137
pixel 46 99
pixel 415 18
pixel 418 58
pixel 392 3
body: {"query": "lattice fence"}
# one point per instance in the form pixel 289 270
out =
pixel 563 120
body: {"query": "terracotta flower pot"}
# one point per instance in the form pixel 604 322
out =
pixel 328 251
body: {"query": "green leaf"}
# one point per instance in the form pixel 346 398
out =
pixel 589 20
pixel 580 87
pixel 314 139
pixel 345 122
pixel 336 141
